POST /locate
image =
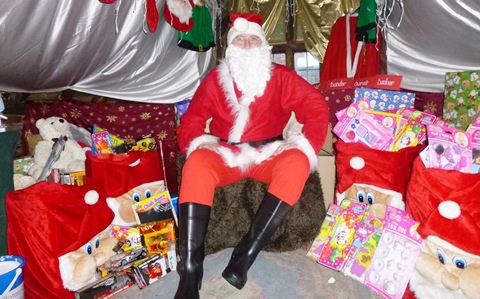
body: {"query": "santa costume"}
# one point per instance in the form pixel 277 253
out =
pixel 245 140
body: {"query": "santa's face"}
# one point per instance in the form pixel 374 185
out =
pixel 445 271
pixel 250 67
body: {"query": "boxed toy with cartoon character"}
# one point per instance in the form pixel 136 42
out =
pixel 395 257
pixel 149 270
pixel 449 148
pixel 342 234
pixel 414 131
pixel 317 245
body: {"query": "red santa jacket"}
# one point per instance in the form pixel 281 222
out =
pixel 235 118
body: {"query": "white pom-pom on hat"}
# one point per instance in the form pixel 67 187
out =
pixel 449 209
pixel 246 23
pixel 357 163
pixel 91 197
pixel 241 24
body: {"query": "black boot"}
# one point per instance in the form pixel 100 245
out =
pixel 268 218
pixel 193 222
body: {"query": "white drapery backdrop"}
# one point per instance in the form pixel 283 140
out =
pixel 434 37
pixel 54 45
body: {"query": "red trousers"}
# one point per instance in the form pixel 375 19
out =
pixel 205 170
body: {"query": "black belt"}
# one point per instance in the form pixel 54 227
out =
pixel 257 143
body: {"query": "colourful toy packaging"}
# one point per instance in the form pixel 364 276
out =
pixel 474 130
pixel 341 236
pixel 449 148
pixel 367 237
pixel 317 245
pixel 130 235
pixel 384 100
pixel 362 128
pixel 414 131
pixel 395 257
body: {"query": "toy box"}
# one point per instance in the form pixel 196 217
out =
pixel 390 121
pixel 21 166
pixel 384 100
pixel 367 237
pixel 395 257
pixel 105 287
pixel 340 238
pixel 449 148
pixel 154 208
pixel 317 245
pixel 363 128
pixel 157 235
pixel 130 235
pixel 149 270
pixel 414 131
pixel 101 143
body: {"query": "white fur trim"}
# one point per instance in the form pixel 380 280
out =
pixel 199 140
pixel 240 109
pixel 182 11
pixel 357 163
pixel 302 143
pixel 242 26
pixel 91 197
pixel 449 209
pixel 445 245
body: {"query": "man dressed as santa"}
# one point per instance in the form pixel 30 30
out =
pixel 249 100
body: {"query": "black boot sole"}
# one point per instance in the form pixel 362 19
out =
pixel 233 279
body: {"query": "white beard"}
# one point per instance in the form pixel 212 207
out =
pixel 250 68
pixel 424 289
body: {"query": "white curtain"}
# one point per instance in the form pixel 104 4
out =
pixel 434 37
pixel 53 45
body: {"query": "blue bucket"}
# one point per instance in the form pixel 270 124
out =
pixel 11 277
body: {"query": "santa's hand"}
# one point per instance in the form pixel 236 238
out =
pixel 284 147
pixel 210 146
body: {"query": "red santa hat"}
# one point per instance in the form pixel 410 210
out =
pixel 245 23
pixel 388 172
pixel 178 13
pixel 445 202
pixel 48 220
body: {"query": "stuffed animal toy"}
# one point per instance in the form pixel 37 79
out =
pixel 374 177
pixel 72 158
pixel 122 205
pixel 445 203
pixel 78 268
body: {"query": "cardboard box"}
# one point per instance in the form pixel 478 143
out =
pixel 326 170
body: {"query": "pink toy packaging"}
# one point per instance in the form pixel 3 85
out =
pixel 414 131
pixel 449 148
pixel 317 245
pixel 474 130
pixel 367 237
pixel 363 128
pixel 340 238
pixel 395 257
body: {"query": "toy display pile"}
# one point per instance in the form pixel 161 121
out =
pixel 406 210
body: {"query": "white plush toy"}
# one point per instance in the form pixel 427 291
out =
pixel 72 158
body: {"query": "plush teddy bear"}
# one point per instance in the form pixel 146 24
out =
pixel 72 158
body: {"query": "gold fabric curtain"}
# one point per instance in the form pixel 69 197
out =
pixel 316 17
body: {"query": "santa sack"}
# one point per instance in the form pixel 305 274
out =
pixel 122 173
pixel 446 203
pixel 430 188
pixel 48 220
pixel 358 164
